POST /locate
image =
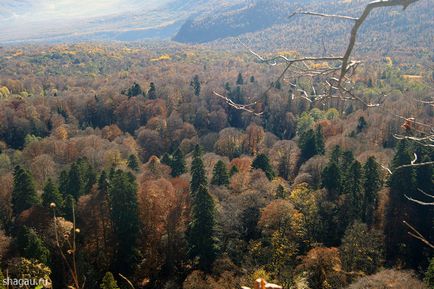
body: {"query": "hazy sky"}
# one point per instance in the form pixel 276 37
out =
pixel 35 10
pixel 38 18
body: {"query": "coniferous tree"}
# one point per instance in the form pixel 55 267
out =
pixel 201 233
pixel 178 164
pixel 198 175
pixel 51 195
pixel 362 249
pixel 308 145
pixel 103 182
pixel 166 159
pixel 68 204
pixel 134 90
pixel 263 163
pixel 235 115
pixel 371 184
pixel 133 162
pixel 220 174
pixel 152 91
pixel 249 222
pixel 400 246
pixel 63 182
pixel 124 215
pixel 31 246
pixel 24 193
pixel 319 141
pixel 354 190
pixel 195 83
pixel 361 125
pixel 109 282
pixel 336 154
pixel 252 79
pixel 332 179
pixel 278 85
pixel 240 80
pixel 233 171
pixel 75 185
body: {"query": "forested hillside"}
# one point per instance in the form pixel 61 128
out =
pixel 120 159
pixel 265 25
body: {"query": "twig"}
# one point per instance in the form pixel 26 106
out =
pixel 416 234
pixel 126 280
pixel 347 68
pixel 324 15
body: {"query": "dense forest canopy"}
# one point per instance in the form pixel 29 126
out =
pixel 120 167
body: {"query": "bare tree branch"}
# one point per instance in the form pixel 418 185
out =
pixel 415 165
pixel 368 9
pixel 419 202
pixel 324 15
pixel 337 78
pixel 416 234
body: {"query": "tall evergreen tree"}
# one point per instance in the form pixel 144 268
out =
pixel 308 145
pixel 75 186
pixel 235 115
pixel 31 246
pixel 109 282
pixel 361 125
pixel 240 80
pixel 166 159
pixel 133 162
pixel 24 193
pixel 371 184
pixel 51 195
pixel 124 215
pixel 336 154
pixel 354 179
pixel 198 175
pixel 201 234
pixel 152 91
pixel 319 140
pixel 178 164
pixel 399 245
pixel 233 171
pixel 134 90
pixel 263 163
pixel 332 179
pixel 220 174
pixel 195 83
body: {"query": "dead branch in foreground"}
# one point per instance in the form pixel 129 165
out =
pixel 335 72
pixel 416 234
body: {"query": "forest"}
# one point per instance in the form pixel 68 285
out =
pixel 121 168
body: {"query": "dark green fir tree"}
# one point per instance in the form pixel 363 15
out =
pixel 51 195
pixel 24 193
pixel 178 164
pixel 202 244
pixel 220 174
pixel 31 246
pixel 372 184
pixel 263 163
pixel 133 162
pixel 125 218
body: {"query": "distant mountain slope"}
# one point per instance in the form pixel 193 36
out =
pixel 232 21
pixel 265 26
pixel 78 20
